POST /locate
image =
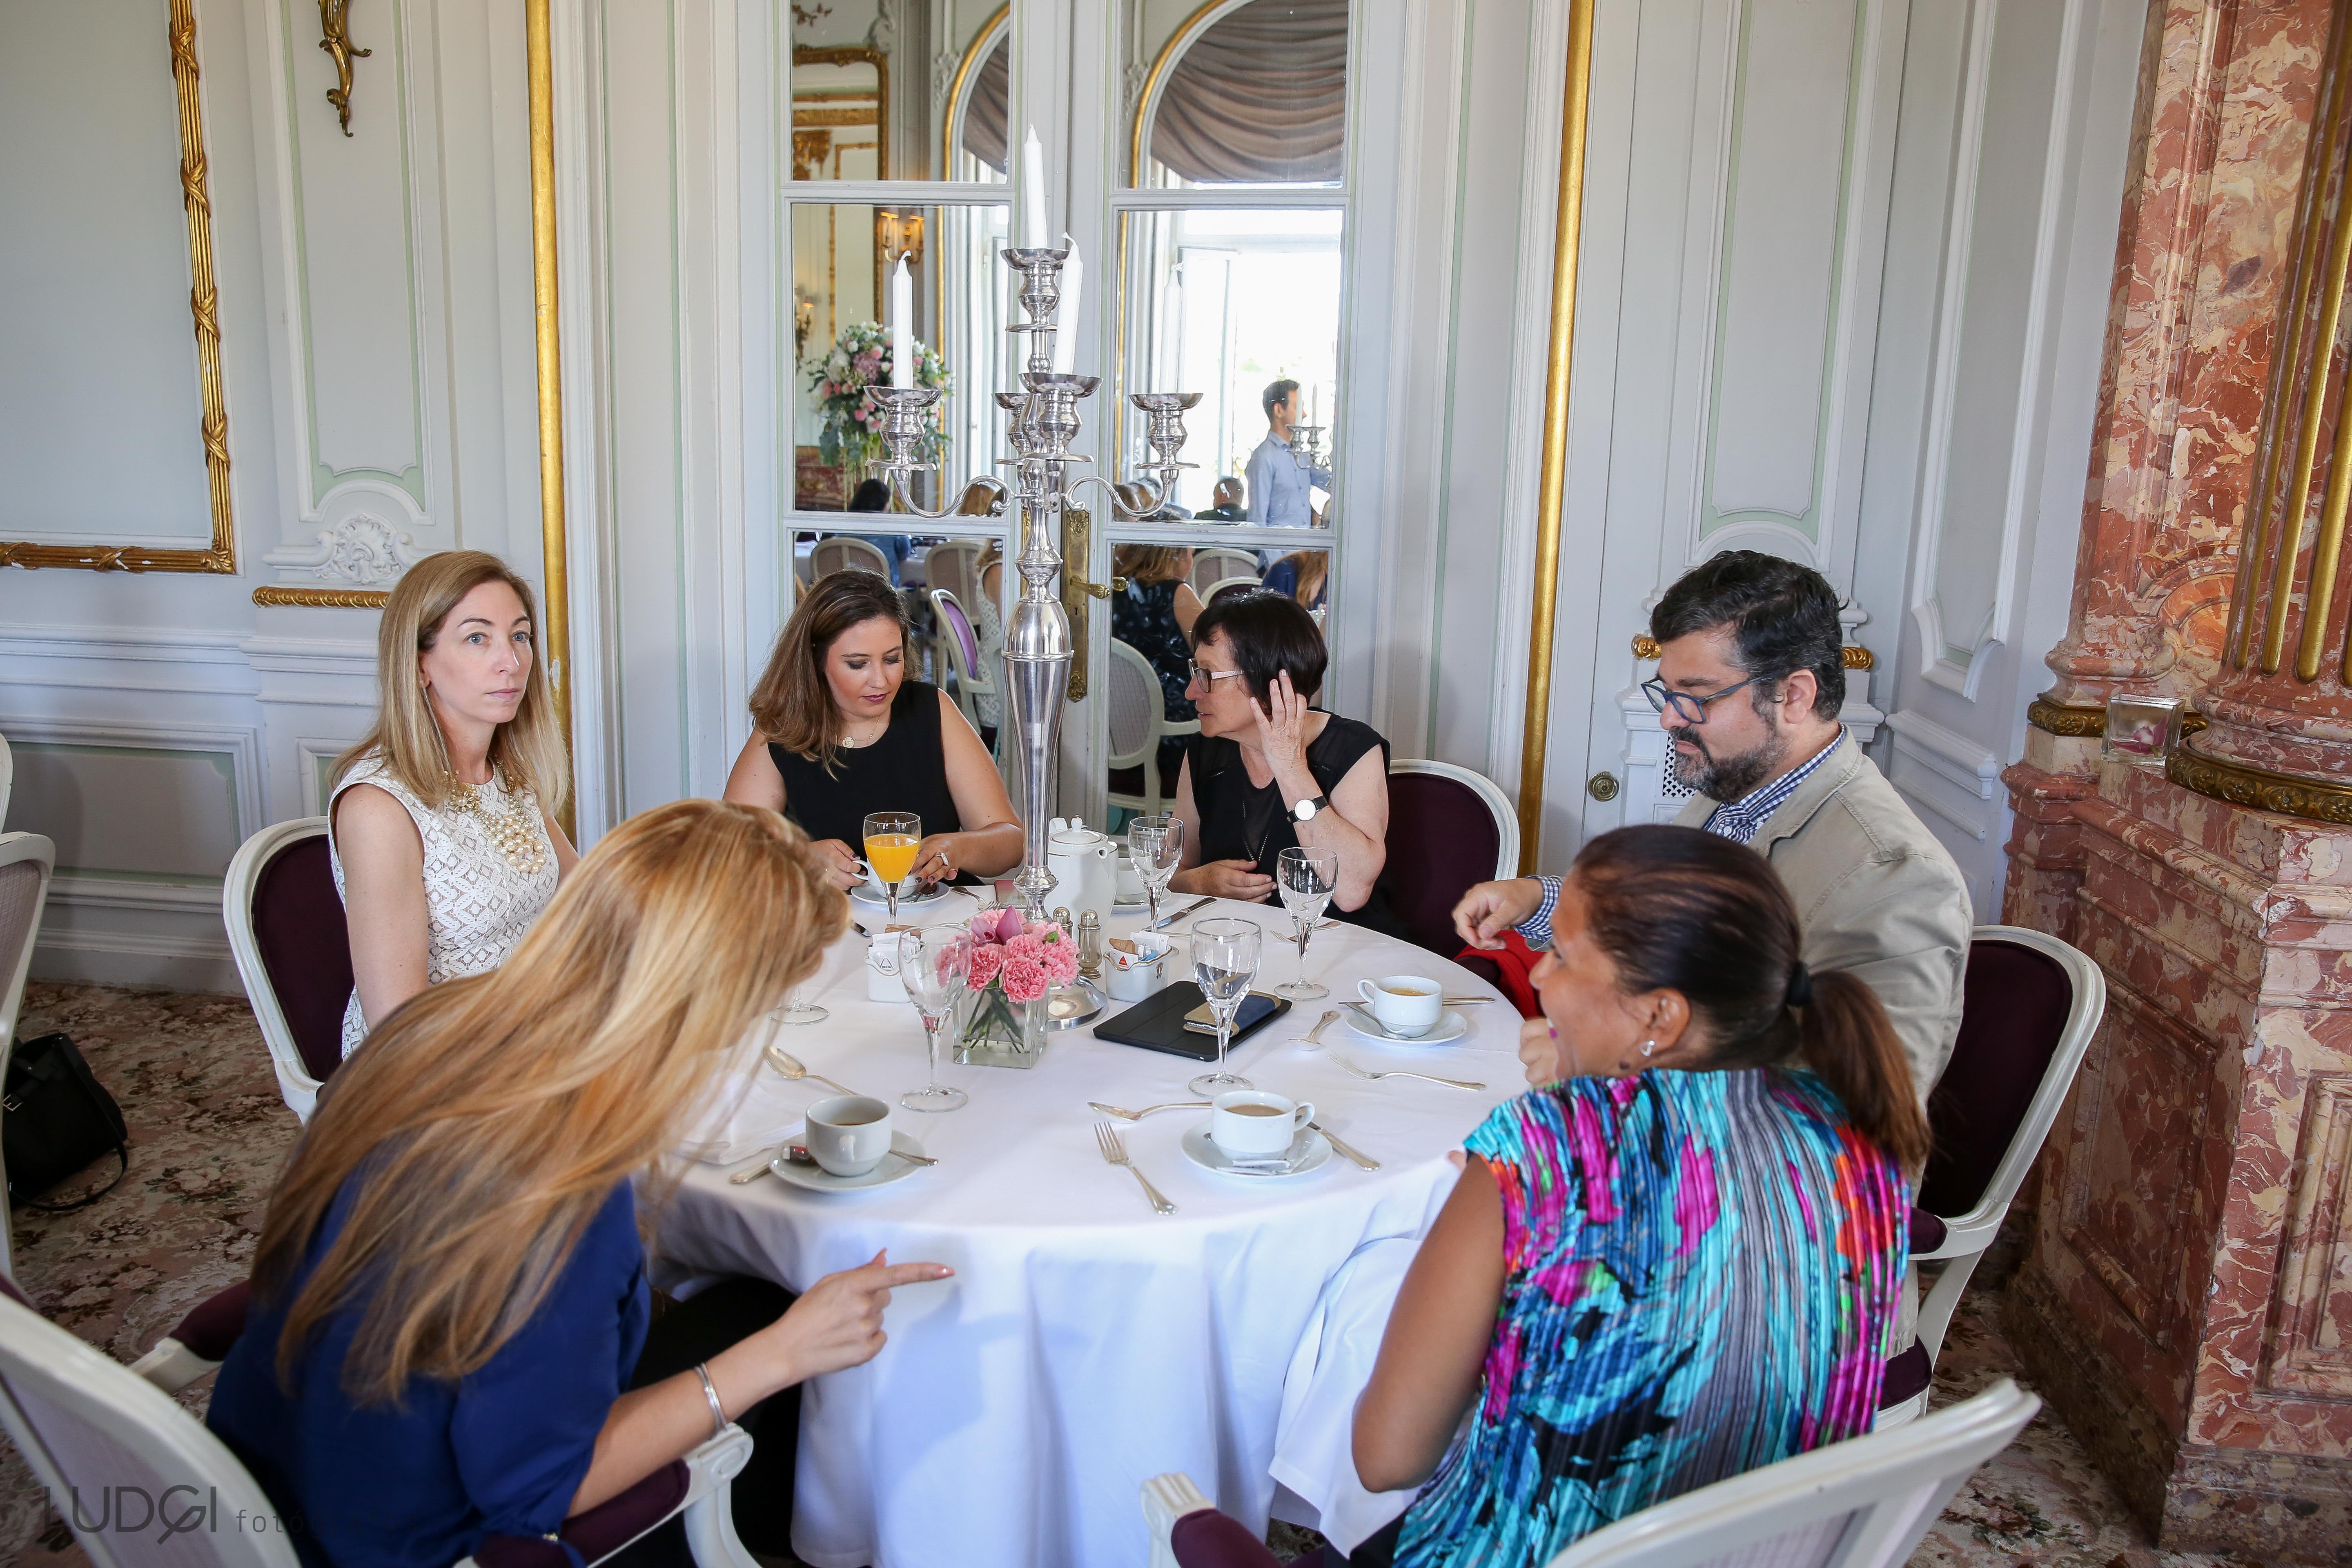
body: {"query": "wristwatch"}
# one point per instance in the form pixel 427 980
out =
pixel 1306 809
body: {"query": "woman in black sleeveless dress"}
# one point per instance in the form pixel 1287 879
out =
pixel 839 731
pixel 1267 772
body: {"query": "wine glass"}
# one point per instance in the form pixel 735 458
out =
pixel 799 1009
pixel 1224 962
pixel 1155 847
pixel 1306 877
pixel 891 839
pixel 934 965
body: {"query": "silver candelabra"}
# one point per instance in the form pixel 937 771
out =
pixel 1043 419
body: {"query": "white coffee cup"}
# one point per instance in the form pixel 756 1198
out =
pixel 1406 1005
pixel 1251 1124
pixel 849 1133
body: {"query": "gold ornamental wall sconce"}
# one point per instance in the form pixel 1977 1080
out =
pixel 335 26
pixel 897 233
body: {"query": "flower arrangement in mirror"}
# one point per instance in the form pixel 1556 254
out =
pixel 851 433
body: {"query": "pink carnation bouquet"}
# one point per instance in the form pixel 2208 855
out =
pixel 1021 957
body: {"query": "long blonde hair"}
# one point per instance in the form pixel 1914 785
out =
pixel 489 1119
pixel 527 749
pixel 1152 562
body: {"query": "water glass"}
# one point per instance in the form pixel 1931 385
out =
pixel 1306 877
pixel 934 963
pixel 1155 847
pixel 1225 963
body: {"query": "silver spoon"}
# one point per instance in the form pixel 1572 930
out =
pixel 784 1062
pixel 1314 1038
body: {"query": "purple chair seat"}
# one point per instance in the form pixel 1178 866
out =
pixel 297 924
pixel 1208 1539
pixel 1441 842
pixel 214 1323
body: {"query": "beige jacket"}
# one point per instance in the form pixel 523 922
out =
pixel 1876 895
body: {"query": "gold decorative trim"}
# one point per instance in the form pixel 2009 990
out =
pixel 335 29
pixel 2066 718
pixel 1645 647
pixel 850 55
pixel 2259 789
pixel 2076 721
pixel 555 636
pixel 983 43
pixel 204 305
pixel 322 599
pixel 1553 472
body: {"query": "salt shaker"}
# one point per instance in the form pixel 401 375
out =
pixel 1091 944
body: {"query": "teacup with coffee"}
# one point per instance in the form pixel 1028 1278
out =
pixel 849 1133
pixel 1251 1124
pixel 1406 1005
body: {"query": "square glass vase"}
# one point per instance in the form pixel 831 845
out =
pixel 2141 730
pixel 994 1031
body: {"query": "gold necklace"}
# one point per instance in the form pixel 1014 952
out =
pixel 513 833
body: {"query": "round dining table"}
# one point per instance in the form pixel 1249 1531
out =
pixel 1087 1342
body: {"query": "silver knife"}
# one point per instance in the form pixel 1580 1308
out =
pixel 1168 920
pixel 1368 1164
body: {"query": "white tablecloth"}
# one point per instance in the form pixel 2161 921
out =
pixel 1086 1342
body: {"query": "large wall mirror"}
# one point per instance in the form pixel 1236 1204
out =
pixel 895 92
pixel 1240 92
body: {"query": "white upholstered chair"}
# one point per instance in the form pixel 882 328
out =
pixel 842 553
pixel 1138 721
pixel 1220 564
pixel 286 931
pixel 1862 1503
pixel 27 861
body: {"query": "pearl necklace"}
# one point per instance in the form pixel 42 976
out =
pixel 513 833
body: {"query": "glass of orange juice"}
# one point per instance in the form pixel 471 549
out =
pixel 892 840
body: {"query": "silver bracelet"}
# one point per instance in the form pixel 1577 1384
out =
pixel 710 1395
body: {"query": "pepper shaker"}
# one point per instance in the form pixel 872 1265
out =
pixel 1091 944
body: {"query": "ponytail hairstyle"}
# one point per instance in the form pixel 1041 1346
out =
pixel 1678 908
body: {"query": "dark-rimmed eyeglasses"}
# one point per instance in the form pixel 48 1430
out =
pixel 1683 705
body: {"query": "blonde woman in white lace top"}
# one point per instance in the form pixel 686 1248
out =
pixel 444 847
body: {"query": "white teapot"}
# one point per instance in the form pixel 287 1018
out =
pixel 1084 865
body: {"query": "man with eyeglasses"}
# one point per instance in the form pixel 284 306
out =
pixel 1752 674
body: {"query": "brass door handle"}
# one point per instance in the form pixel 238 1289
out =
pixel 1100 590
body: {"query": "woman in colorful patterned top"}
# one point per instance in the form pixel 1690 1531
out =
pixel 1680 1262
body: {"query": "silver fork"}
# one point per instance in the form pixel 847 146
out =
pixel 1348 1066
pixel 1126 1115
pixel 1116 1153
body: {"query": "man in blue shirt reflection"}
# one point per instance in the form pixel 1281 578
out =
pixel 1278 486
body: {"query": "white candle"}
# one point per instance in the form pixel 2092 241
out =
pixel 1032 191
pixel 1173 372
pixel 1065 341
pixel 902 327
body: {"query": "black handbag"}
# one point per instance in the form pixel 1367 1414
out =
pixel 55 1118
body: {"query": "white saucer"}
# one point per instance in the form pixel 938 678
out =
pixel 1313 1150
pixel 818 1179
pixel 1450 1025
pixel 867 893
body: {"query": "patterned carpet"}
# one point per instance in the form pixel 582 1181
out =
pixel 208 1131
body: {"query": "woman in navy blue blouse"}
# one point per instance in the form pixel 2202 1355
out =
pixel 451 1307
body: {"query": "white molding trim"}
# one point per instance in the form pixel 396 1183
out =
pixel 120 893
pixel 347 657
pixel 159 645
pixel 1946 752
pixel 1937 666
pixel 241 742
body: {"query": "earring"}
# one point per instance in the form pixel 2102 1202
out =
pixel 1649 1048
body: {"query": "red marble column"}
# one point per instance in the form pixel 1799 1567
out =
pixel 2188 1303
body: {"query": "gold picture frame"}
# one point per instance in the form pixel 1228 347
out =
pixel 204 305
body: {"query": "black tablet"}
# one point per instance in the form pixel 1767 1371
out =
pixel 1156 1023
